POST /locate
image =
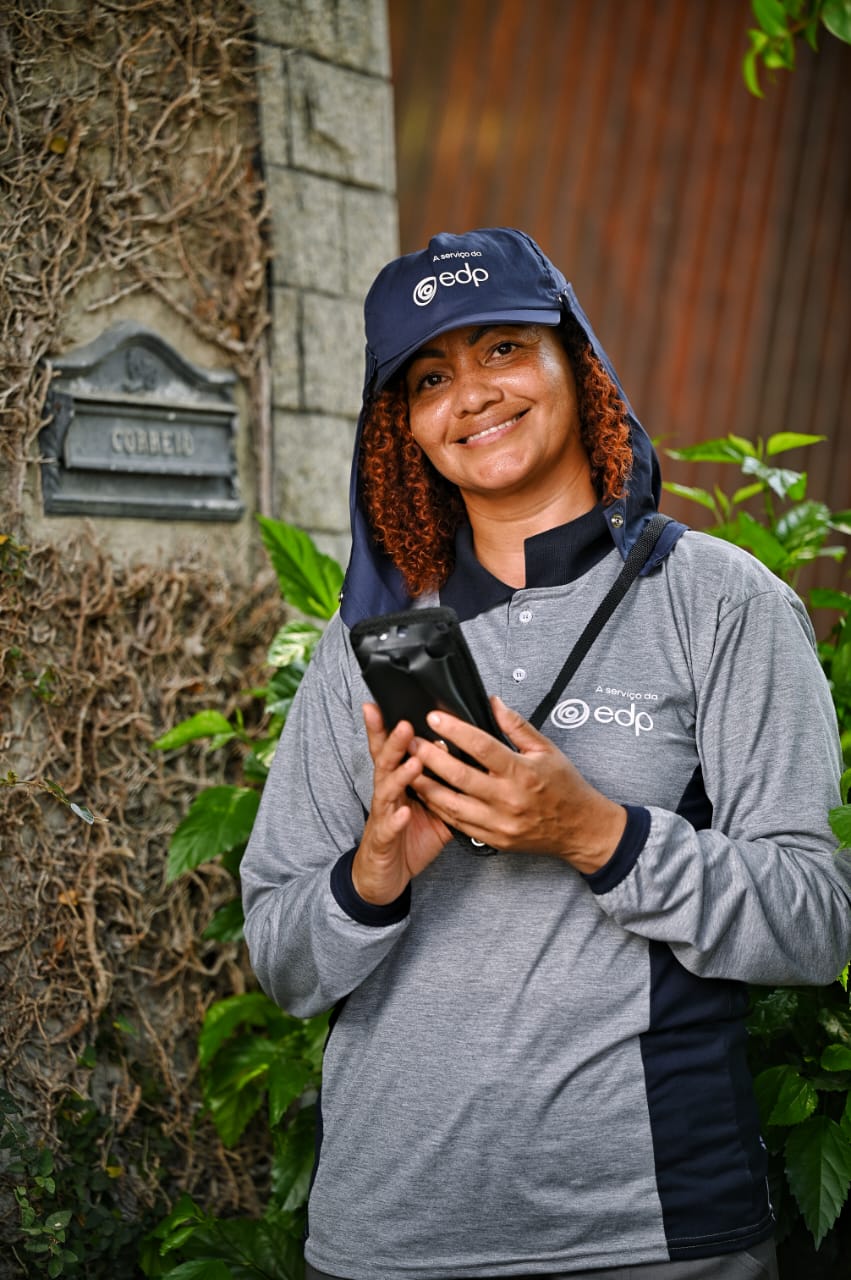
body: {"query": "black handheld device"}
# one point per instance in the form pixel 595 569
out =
pixel 418 661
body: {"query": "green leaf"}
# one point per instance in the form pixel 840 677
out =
pixel 840 824
pixel 254 769
pixel 824 598
pixel 55 790
pixel 805 524
pixel 772 1012
pixel 845 785
pixel 837 1023
pixel 252 1009
pixel 269 1248
pixel 836 1057
pixel 58 1221
pixel 218 820
pixel 776 60
pixel 750 534
pixel 748 491
pixel 226 924
pixel 288 1080
pixel 200 1269
pixel 841 522
pixel 206 724
pixel 784 440
pixel 694 495
pixel 836 16
pixel 783 1096
pixel 294 642
pixel 235 1087
pixel 184 1210
pixel 724 450
pixel 818 1166
pixel 282 688
pixel 771 16
pixel 723 501
pixel 82 812
pixel 750 65
pixel 742 446
pixel 785 483
pixel 292 1165
pixel 308 578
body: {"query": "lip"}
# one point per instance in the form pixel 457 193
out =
pixel 494 432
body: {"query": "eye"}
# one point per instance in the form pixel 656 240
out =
pixel 505 347
pixel 428 380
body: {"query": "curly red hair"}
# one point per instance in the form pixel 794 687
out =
pixel 414 512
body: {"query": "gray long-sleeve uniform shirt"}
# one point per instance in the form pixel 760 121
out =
pixel 534 1070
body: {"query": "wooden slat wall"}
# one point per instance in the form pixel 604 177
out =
pixel 706 233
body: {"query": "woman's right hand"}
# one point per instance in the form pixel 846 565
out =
pixel 401 837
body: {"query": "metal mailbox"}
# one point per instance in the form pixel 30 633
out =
pixel 135 430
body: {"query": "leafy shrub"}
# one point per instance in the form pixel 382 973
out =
pixel 250 1052
pixel 780 23
pixel 800 1048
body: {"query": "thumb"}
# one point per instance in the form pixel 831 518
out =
pixel 524 736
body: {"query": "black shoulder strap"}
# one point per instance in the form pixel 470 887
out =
pixel 635 561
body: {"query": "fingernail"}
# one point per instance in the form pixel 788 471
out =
pixel 433 718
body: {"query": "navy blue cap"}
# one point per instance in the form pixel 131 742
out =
pixel 489 276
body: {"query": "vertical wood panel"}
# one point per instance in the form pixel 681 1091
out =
pixel 707 233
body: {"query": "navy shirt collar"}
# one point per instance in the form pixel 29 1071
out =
pixel 553 558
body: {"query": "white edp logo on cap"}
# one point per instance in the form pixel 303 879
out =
pixel 425 291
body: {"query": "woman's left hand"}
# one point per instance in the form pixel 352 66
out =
pixel 531 800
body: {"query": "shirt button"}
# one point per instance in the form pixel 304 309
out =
pixel 526 615
pixel 518 674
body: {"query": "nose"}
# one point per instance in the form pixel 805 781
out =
pixel 474 389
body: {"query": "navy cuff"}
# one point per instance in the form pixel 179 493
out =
pixel 348 898
pixel 627 852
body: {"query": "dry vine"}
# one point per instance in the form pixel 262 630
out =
pixel 127 168
pixel 92 937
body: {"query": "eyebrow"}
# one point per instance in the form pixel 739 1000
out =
pixel 436 353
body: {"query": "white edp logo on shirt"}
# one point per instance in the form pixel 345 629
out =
pixel 574 712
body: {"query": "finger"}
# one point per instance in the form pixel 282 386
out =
pixel 390 789
pixel 449 769
pixel 478 743
pixel 372 717
pixel 524 735
pixel 376 735
pixel 466 813
pixel 386 749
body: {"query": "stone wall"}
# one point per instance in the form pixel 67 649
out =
pixel 327 136
pixel 326 157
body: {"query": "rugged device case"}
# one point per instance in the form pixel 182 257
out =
pixel 418 661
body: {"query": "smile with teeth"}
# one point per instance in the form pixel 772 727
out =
pixel 492 431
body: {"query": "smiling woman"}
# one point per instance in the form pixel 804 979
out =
pixel 494 410
pixel 414 508
pixel 537 1063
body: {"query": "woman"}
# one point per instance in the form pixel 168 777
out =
pixel 537 1066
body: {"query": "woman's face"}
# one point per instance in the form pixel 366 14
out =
pixel 494 409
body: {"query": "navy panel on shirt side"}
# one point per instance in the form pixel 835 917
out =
pixel 710 1161
pixel 695 805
